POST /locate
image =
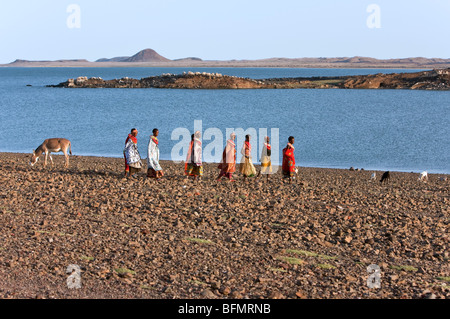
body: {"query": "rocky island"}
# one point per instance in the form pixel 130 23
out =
pixel 438 79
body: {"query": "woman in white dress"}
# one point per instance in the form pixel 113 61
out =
pixel 154 169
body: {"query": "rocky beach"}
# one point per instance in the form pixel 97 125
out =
pixel 139 238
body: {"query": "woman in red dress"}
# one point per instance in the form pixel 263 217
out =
pixel 288 167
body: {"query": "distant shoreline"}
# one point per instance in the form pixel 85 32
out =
pixel 213 65
pixel 286 64
pixel 150 58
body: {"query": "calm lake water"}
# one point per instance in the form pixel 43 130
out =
pixel 398 130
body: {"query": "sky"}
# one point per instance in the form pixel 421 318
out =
pixel 223 30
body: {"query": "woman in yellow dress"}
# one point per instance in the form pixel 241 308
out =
pixel 247 168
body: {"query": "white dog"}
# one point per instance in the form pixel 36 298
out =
pixel 423 176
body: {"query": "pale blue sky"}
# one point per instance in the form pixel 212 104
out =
pixel 222 30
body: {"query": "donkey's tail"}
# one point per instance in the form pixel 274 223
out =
pixel 70 148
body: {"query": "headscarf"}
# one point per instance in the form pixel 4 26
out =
pixel 230 149
pixel 131 137
pixel 154 139
pixel 266 143
pixel 195 150
pixel 231 140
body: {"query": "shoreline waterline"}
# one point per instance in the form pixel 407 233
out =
pixel 313 166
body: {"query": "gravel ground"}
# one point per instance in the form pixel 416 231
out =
pixel 139 238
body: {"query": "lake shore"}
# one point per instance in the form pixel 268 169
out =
pixel 139 238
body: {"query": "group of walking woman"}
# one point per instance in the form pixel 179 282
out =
pixel 194 165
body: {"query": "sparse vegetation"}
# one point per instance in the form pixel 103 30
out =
pixel 326 266
pixel 405 268
pixel 122 271
pixel 291 260
pixel 310 254
pixel 200 241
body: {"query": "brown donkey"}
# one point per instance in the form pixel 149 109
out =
pixel 52 145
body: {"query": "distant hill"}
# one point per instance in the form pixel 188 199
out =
pixel 147 55
pixel 189 59
pixel 358 60
pixel 117 59
pixel 19 61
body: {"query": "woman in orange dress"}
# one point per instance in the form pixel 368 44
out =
pixel 228 165
pixel 193 166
